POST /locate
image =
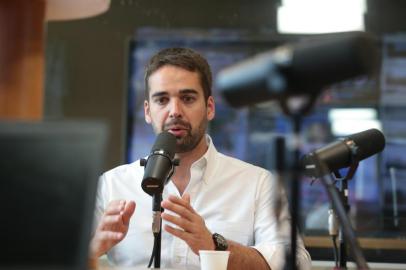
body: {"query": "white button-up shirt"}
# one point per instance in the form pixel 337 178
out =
pixel 238 200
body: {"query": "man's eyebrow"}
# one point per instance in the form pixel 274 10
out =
pixel 159 94
pixel 189 91
pixel 182 92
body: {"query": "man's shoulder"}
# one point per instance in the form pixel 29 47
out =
pixel 122 182
pixel 124 171
pixel 233 163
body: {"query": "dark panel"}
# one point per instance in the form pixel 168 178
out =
pixel 386 16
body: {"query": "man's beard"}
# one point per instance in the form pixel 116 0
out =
pixel 191 140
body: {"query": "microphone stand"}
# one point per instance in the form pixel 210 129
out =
pixel 300 108
pixel 156 229
pixel 345 224
pixel 294 192
pixel 295 113
pixel 156 216
pixel 295 110
pixel 342 254
pixel 343 192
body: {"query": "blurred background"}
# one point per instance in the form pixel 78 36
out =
pixel 94 69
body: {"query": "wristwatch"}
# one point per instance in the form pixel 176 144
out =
pixel 220 242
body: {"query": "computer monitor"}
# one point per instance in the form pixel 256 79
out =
pixel 48 182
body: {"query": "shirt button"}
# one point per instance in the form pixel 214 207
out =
pixel 177 259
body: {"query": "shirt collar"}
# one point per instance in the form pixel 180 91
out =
pixel 206 162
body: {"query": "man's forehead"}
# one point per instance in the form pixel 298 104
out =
pixel 170 79
pixel 173 68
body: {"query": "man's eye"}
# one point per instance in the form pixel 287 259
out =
pixel 161 100
pixel 189 99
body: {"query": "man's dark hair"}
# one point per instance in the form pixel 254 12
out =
pixel 184 58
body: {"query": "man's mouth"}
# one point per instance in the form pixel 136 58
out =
pixel 178 131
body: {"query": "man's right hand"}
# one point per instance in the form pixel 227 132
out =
pixel 112 228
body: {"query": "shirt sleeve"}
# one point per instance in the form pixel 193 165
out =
pixel 272 225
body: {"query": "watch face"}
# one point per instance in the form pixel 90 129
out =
pixel 220 242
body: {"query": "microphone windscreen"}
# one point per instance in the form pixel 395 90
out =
pixel 368 142
pixel 165 141
pixel 345 152
pixel 303 68
pixel 320 62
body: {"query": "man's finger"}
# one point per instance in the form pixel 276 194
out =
pixel 110 236
pixel 178 209
pixel 110 221
pixel 177 232
pixel 128 212
pixel 181 222
pixel 181 201
pixel 115 207
pixel 186 197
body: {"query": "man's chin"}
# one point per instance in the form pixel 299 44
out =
pixel 182 146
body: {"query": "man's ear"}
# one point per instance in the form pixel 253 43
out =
pixel 147 112
pixel 211 108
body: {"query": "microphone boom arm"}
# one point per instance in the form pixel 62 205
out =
pixel 346 226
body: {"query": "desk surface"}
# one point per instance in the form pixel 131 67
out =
pixel 365 243
pixel 316 265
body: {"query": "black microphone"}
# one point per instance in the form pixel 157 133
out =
pixel 159 164
pixel 345 152
pixel 303 68
pixel 159 167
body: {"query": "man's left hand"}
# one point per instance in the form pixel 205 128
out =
pixel 192 228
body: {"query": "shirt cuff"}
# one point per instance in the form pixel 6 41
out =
pixel 275 256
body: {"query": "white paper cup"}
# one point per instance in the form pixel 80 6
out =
pixel 213 259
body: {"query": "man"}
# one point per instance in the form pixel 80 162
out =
pixel 212 201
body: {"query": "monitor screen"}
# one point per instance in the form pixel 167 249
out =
pixel 48 180
pixel 248 133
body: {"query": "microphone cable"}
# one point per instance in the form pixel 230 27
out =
pixel 333 232
pixel 155 247
pixel 335 250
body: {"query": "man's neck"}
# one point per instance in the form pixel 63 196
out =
pixel 181 177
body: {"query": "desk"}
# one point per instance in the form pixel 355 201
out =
pixel 365 243
pixel 131 268
pixel 325 265
pixel 316 265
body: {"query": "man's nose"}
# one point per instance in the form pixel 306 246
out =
pixel 175 109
